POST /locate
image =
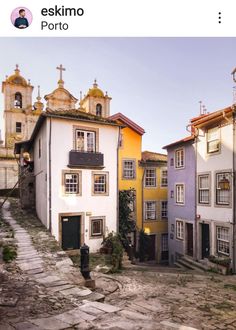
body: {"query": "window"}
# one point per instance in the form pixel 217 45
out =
pixel 71 183
pixel 99 110
pixel 85 141
pixel 222 240
pixel 128 169
pixel 100 183
pixel 150 210
pixel 204 189
pixel 179 229
pixel 18 100
pixel 18 127
pixel 40 148
pixel 213 140
pixel 164 209
pixel 172 162
pixel 179 193
pixel 96 227
pixel 179 158
pixel 164 179
pixel 223 191
pixel 150 178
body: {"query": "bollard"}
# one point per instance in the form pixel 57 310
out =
pixel 84 262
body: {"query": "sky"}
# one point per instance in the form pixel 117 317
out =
pixel 156 82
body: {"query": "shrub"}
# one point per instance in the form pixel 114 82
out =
pixel 220 261
pixel 9 253
pixel 113 242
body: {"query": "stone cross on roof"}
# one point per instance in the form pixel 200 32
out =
pixel 60 68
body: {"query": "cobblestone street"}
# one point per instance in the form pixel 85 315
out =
pixel 42 289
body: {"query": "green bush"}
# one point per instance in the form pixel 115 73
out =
pixel 220 261
pixel 113 242
pixel 9 253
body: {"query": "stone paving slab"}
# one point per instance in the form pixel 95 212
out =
pixel 61 287
pixel 75 318
pixel 48 279
pixel 103 307
pixel 76 292
pixel 134 315
pixel 85 316
pixel 29 266
pixel 91 310
pixel 35 271
pixel 50 323
pixel 26 326
pixel 167 325
pixel 56 284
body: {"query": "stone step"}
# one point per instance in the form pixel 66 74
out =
pixel 187 265
pixel 194 263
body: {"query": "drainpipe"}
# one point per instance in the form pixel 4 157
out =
pixel 234 195
pixel 50 174
pixel 144 169
pixel 195 206
pixel 117 180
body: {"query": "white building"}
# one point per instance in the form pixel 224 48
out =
pixel 215 171
pixel 74 152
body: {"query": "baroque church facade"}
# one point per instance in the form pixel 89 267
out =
pixel 19 118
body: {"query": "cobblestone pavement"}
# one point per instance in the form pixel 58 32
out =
pixel 43 290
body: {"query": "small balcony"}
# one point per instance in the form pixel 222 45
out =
pixel 83 159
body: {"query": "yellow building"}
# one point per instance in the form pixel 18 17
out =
pixel 154 197
pixel 146 174
pixel 130 174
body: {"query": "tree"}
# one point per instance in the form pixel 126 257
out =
pixel 126 223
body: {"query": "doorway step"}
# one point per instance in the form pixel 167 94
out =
pixel 188 263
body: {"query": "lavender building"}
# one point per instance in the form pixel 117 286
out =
pixel 181 198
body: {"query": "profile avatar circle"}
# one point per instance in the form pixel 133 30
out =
pixel 21 17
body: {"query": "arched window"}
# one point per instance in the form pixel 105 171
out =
pixel 18 100
pixel 99 110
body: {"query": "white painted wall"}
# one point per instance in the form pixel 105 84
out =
pixel 62 143
pixel 40 170
pixel 214 163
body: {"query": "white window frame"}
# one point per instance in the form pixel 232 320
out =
pixel 179 158
pixel 152 179
pixel 105 184
pixel 213 138
pixel 201 190
pixel 178 193
pixel 86 145
pixel 223 241
pixel 148 210
pixel 132 170
pixel 179 225
pixel 164 210
pixel 219 192
pixel 164 178
pixel 77 184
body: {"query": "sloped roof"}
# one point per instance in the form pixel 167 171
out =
pixel 128 122
pixel 153 156
pixel 186 139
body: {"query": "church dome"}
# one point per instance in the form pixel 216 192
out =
pixel 16 78
pixel 95 91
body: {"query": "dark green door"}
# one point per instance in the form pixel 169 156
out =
pixel 71 232
pixel 205 241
